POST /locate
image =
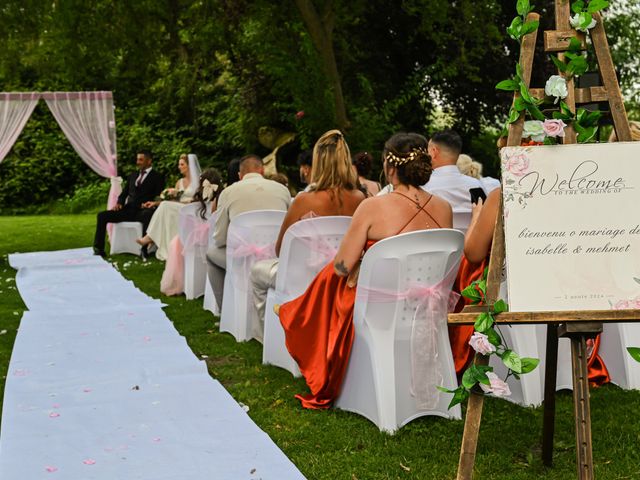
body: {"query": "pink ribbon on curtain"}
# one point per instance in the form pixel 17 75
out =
pixel 431 307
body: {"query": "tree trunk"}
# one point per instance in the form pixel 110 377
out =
pixel 320 28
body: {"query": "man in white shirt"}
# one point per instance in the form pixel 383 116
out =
pixel 447 181
pixel 252 192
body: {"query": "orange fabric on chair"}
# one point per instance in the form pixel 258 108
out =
pixel 597 370
pixel 318 327
pixel 459 335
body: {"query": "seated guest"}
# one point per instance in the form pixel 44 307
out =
pixel 362 163
pixel 477 248
pixel 318 325
pixel 252 192
pixel 233 171
pixel 164 222
pixel 468 166
pixel 333 191
pixel 210 187
pixel 142 186
pixel 447 181
pixel 305 164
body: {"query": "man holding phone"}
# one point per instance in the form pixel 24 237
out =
pixel 448 182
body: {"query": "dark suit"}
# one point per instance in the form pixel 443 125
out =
pixel 131 199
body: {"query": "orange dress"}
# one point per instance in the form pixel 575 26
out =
pixel 460 335
pixel 319 333
pixel 318 327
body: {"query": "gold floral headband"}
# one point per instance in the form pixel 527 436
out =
pixel 397 160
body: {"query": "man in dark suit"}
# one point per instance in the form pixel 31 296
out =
pixel 135 203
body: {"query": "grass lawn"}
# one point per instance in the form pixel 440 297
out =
pixel 334 444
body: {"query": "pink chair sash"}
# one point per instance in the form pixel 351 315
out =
pixel 244 255
pixel 431 305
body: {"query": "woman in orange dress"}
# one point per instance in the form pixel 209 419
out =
pixel 477 247
pixel 318 325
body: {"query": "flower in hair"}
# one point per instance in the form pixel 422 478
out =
pixel 401 159
pixel 208 189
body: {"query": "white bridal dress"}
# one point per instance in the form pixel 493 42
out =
pixel 164 223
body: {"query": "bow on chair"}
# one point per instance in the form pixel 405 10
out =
pixel 248 254
pixel 431 305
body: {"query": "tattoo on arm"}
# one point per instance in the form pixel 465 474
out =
pixel 341 269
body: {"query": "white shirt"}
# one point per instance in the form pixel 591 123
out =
pixel 489 184
pixel 253 192
pixel 448 183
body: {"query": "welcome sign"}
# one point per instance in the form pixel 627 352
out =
pixel 572 226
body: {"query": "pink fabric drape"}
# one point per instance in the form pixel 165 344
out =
pixel 15 110
pixel 430 306
pixel 88 122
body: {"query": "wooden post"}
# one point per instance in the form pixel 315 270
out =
pixel 471 429
pixel 610 80
pixel 550 376
pixel 563 14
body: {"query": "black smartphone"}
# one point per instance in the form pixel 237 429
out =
pixel 477 193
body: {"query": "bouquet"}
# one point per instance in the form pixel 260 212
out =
pixel 171 194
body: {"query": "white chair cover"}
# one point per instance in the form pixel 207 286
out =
pixel 251 237
pixel 307 246
pixel 194 236
pixel 209 302
pixel 623 370
pixel 391 377
pixel 123 238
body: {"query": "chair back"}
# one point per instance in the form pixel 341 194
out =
pixel 307 246
pixel 251 237
pixel 381 378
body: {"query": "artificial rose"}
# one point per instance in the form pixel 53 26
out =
pixel 556 86
pixel 480 343
pixel 579 18
pixel 535 130
pixel 517 165
pixel 554 127
pixel 496 386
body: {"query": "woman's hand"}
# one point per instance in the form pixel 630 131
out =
pixel 475 211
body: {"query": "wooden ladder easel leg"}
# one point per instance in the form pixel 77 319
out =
pixel 550 375
pixel 582 409
pixel 471 429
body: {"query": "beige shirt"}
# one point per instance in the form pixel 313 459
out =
pixel 253 192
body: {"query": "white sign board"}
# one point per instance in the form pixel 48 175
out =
pixel 572 226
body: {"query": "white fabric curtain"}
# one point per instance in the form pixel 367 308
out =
pixel 15 110
pixel 88 121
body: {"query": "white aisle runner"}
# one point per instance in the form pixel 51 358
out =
pixel 101 386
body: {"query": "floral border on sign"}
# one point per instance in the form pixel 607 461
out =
pixel 515 164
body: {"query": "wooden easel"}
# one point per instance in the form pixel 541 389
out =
pixel 577 325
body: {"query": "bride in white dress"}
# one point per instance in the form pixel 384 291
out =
pixel 164 223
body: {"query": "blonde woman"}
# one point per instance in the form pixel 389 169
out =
pixel 468 166
pixel 333 191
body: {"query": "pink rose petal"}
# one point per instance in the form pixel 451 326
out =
pixel 54 415
pixel 86 390
pixel 157 439
pixel 51 469
pixel 55 405
pixel 147 339
pixel 89 461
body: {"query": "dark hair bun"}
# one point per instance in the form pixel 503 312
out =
pixel 362 161
pixel 418 172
